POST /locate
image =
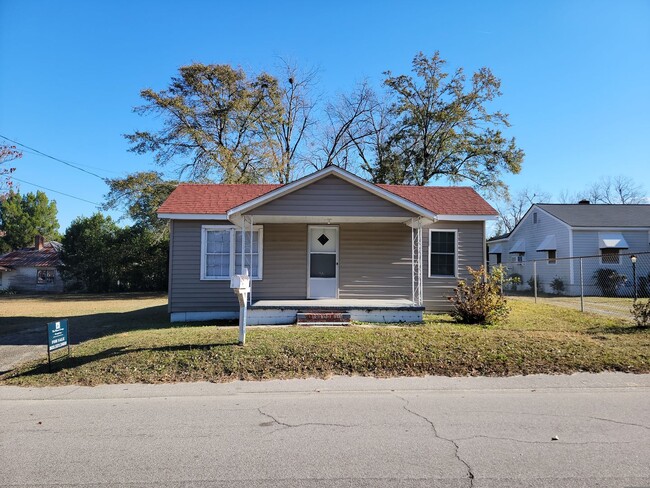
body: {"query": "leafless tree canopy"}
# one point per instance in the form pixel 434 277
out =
pixel 512 210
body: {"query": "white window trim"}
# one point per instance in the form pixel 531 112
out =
pixel 611 264
pixel 233 232
pixel 455 275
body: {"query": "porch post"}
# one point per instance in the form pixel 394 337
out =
pixel 416 262
pixel 412 262
pixel 250 294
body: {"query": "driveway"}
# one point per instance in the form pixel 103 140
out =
pixel 343 432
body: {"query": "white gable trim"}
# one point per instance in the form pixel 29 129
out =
pixel 344 175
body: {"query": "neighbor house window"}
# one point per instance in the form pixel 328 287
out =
pixel 552 254
pixel 517 258
pixel 534 217
pixel 498 255
pixel 221 252
pixel 44 276
pixel 442 253
pixel 609 256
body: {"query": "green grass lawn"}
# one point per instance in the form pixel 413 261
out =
pixel 536 338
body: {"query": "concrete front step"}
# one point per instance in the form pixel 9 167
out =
pixel 322 318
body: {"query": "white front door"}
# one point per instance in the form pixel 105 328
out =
pixel 323 262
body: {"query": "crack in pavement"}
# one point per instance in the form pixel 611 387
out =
pixel 539 442
pixel 291 426
pixel 619 422
pixel 470 473
pixel 557 415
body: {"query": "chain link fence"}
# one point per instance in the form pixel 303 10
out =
pixel 606 284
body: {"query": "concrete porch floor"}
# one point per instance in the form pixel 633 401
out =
pixel 267 312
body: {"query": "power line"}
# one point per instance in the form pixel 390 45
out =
pixel 29 151
pixel 55 191
pixel 54 158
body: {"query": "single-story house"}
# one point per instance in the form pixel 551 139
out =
pixel 328 241
pixel 605 236
pixel 32 269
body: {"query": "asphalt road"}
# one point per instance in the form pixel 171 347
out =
pixel 344 432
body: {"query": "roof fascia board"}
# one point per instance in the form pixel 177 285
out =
pixel 621 229
pixel 192 216
pixel 467 217
pixel 534 205
pixel 344 175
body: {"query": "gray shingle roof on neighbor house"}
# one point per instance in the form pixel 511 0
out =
pixel 600 215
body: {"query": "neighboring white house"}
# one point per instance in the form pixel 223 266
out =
pixel 608 234
pixel 32 269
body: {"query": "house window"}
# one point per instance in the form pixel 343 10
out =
pixel 610 256
pixel 217 254
pixel 517 258
pixel 552 256
pixel 498 255
pixel 253 268
pixel 442 253
pixel 534 217
pixel 44 276
pixel 221 252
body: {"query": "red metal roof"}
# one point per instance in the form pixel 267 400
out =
pixel 48 257
pixel 220 198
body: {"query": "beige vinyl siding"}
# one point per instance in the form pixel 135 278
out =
pixel 332 196
pixel 188 293
pixel 285 263
pixel 375 261
pixel 470 248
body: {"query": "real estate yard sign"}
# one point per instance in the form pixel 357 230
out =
pixel 57 337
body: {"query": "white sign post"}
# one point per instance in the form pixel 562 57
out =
pixel 241 285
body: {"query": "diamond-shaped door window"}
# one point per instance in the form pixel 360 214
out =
pixel 323 239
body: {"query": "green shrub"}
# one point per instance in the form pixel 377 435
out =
pixel 479 300
pixel 531 284
pixel 641 313
pixel 557 285
pixel 609 281
pixel 513 280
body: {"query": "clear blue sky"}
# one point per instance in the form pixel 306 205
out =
pixel 575 75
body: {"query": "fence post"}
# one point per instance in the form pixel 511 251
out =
pixel 535 279
pixel 582 289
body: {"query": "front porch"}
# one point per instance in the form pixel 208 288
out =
pixel 278 312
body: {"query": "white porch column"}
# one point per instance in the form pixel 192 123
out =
pixel 416 261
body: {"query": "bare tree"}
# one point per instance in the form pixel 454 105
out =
pixel 349 124
pixel 287 136
pixel 7 154
pixel 614 190
pixel 512 210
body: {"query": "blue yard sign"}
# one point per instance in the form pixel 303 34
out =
pixel 57 337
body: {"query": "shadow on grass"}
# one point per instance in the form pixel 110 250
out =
pixel 72 362
pixel 31 331
pixel 86 297
pixel 619 330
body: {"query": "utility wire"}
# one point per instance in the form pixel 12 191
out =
pixel 55 159
pixel 29 151
pixel 55 191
